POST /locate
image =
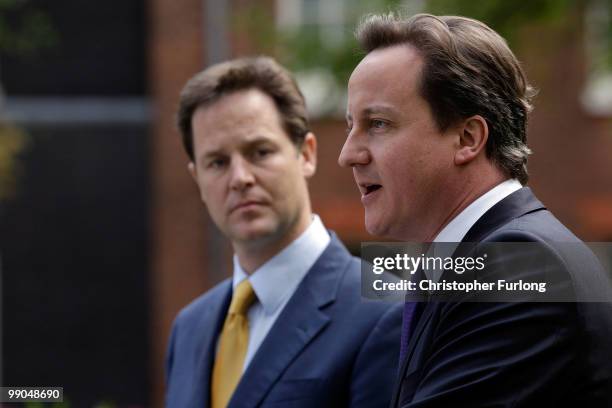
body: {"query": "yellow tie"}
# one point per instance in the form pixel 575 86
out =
pixel 232 347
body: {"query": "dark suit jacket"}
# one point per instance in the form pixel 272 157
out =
pixel 520 354
pixel 328 347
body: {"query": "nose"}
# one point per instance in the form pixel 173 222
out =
pixel 353 152
pixel 241 176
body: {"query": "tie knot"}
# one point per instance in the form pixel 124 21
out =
pixel 242 298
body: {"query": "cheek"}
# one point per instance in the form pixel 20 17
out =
pixel 281 180
pixel 404 180
pixel 212 195
pixel 397 169
pixel 287 193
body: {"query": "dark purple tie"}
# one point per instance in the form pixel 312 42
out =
pixel 412 314
pixel 408 322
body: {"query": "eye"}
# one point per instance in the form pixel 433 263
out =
pixel 378 124
pixel 262 153
pixel 217 163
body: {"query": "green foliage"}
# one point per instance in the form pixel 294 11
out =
pixel 305 50
pixel 64 404
pixel 309 47
pixel 12 142
pixel 24 30
pixel 258 24
pixel 599 24
pixel 505 17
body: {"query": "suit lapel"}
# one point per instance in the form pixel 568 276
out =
pixel 519 203
pixel 300 321
pixel 513 206
pixel 209 329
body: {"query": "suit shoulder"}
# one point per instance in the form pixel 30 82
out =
pixel 560 248
pixel 534 226
pixel 352 277
pixel 350 291
pixel 210 298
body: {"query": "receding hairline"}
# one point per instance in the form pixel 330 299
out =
pixel 253 90
pixel 411 54
pixel 411 51
pixel 260 72
pixel 255 95
pixel 250 140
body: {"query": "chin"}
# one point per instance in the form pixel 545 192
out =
pixel 254 231
pixel 384 229
pixel 376 227
pixel 253 234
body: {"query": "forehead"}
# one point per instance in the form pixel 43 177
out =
pixel 238 116
pixel 386 75
pixel 244 106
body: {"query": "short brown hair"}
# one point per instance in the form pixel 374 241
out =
pixel 262 73
pixel 468 70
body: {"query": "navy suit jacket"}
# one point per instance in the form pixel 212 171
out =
pixel 328 347
pixel 521 354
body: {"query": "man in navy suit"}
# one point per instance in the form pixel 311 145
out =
pixel 437 115
pixel 289 329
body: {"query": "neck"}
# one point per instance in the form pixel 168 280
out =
pixel 255 253
pixel 470 193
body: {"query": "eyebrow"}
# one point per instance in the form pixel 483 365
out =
pixel 378 109
pixel 208 155
pixel 372 110
pixel 248 144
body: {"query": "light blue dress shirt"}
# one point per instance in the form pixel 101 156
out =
pixel 275 281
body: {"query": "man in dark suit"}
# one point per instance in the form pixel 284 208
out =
pixel 437 142
pixel 289 329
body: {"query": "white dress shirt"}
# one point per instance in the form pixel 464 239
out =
pixel 456 229
pixel 277 280
pixel 461 224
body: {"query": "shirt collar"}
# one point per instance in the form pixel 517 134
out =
pixel 455 230
pixel 278 278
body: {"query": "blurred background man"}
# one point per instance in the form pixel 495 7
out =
pixel 289 328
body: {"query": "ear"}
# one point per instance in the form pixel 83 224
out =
pixel 473 136
pixel 192 170
pixel 308 154
pixel 194 175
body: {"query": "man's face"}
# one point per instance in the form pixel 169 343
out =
pixel 402 163
pixel 251 176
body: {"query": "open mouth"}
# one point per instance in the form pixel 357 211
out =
pixel 372 188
